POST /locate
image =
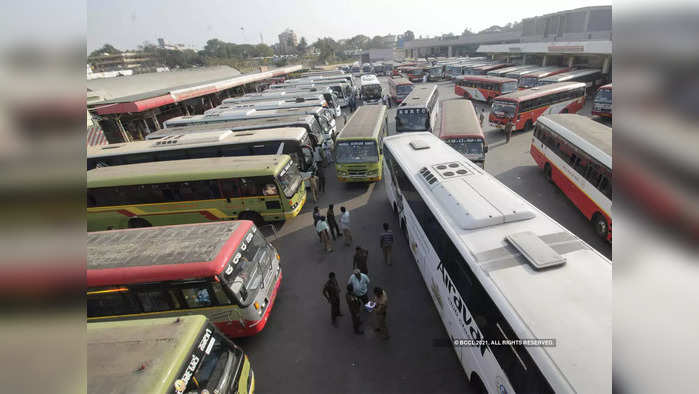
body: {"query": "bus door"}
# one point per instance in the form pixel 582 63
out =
pixel 253 194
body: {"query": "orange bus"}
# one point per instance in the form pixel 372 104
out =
pixel 524 107
pixel 483 87
pixel 461 129
pixel 399 89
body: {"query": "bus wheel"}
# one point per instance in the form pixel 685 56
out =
pixel 252 216
pixel 547 172
pixel 565 111
pixel 600 224
pixel 528 125
pixel 476 384
pixel 138 223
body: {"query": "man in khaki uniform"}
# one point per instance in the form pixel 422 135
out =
pixel 381 309
pixel 508 131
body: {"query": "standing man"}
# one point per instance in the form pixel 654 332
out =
pixel 354 304
pixel 386 242
pixel 360 285
pixel 321 180
pixel 482 116
pixel 424 78
pixel 317 156
pixel 361 258
pixel 381 309
pixel 331 292
pixel 322 229
pixel 328 152
pixel 314 187
pixel 508 130
pixel 334 229
pixel 345 226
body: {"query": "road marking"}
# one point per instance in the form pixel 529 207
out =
pixel 306 219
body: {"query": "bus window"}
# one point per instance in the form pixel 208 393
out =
pixel 110 303
pixel 155 300
pixel 221 295
pixel 229 188
pixel 198 296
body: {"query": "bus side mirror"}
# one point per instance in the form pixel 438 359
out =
pixel 485 149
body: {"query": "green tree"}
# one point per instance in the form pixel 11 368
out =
pixel 327 47
pixel 106 48
pixel 408 35
pixel 301 47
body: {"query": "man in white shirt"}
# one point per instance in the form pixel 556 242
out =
pixel 323 231
pixel 345 226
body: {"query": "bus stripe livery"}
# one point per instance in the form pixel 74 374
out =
pixel 226 271
pixel 575 154
pixel 483 87
pixel 529 301
pixel 525 106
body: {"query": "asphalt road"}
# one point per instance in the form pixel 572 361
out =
pixel 301 352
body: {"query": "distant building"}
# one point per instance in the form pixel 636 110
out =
pixel 288 42
pixel 136 61
pixel 161 42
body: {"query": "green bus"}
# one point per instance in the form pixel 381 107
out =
pixel 184 354
pixel 258 188
pixel 359 147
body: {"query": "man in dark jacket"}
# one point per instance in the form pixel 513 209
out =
pixel 354 304
pixel 331 292
pixel 332 223
pixel 361 260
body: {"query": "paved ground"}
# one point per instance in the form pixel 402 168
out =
pixel 300 352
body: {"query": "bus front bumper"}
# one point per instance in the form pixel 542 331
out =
pixel 296 210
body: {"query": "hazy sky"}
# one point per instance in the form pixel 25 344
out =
pixel 128 23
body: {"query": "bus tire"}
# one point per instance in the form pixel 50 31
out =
pixel 600 225
pixel 547 172
pixel 528 125
pixel 139 223
pixel 252 216
pixel 476 384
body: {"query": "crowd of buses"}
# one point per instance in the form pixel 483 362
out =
pixel 176 260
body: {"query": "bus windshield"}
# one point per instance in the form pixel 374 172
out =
pixel 215 370
pixel 356 152
pixel 502 108
pixel 508 87
pixel 372 91
pixel 404 89
pixel 289 179
pixel 466 146
pixel 251 261
pixel 604 96
pixel 413 119
pixel 528 82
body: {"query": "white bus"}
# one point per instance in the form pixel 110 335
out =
pixel 526 304
pixel 370 89
pixel 418 111
pixel 326 94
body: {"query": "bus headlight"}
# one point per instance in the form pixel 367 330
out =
pixel 257 306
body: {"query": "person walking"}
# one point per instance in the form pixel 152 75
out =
pixel 424 78
pixel 354 304
pixel 508 131
pixel 322 229
pixel 345 226
pixel 317 156
pixel 334 229
pixel 316 218
pixel 352 103
pixel 482 116
pixel 360 260
pixel 331 292
pixel 321 180
pixel 360 285
pixel 386 243
pixel 381 309
pixel 328 152
pixel 314 187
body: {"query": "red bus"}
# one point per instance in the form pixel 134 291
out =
pixel 524 107
pixel 531 79
pixel 415 73
pixel 603 102
pixel 399 89
pixel 224 270
pixel 483 87
pixel 483 70
pixel 575 153
pixel 461 129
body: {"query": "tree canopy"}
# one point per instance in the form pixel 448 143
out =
pixel 106 49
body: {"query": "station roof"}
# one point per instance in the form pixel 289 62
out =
pixel 142 92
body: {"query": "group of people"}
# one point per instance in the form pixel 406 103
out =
pixel 327 226
pixel 508 125
pixel 356 297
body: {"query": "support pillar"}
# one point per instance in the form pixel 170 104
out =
pixel 605 65
pixel 524 58
pixel 123 132
pixel 571 61
pixel 449 51
pixel 543 62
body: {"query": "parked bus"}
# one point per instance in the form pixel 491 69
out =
pixel 258 188
pixel 379 69
pixel 418 111
pixel 326 94
pixel 414 74
pixel 355 69
pixel 603 102
pixel 524 107
pixel 435 73
pixel 531 79
pixel 399 89
pixel 502 72
pixel 359 148
pixel 339 98
pixel 484 69
pixel 219 142
pixel 461 129
pixel 483 87
pixel 500 273
pixel 176 354
pixel 367 68
pixel 226 271
pixel 517 74
pixel 591 78
pixel 370 91
pixel 342 89
pixel 575 153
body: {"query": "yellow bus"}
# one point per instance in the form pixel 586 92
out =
pixel 258 188
pixel 359 147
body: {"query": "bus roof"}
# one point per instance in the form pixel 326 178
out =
pixel 522 71
pixel 117 350
pixel 492 66
pixel 182 140
pixel 544 71
pixel 459 119
pixel 364 123
pixel 607 86
pixel 563 77
pixel 369 79
pixel 283 95
pixel 291 120
pixel 592 137
pixel 526 94
pixel 399 81
pixel 571 302
pixel 155 254
pixel 503 71
pixel 485 78
pixel 269 104
pixel 185 170
pixel 419 96
pixel 241 114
